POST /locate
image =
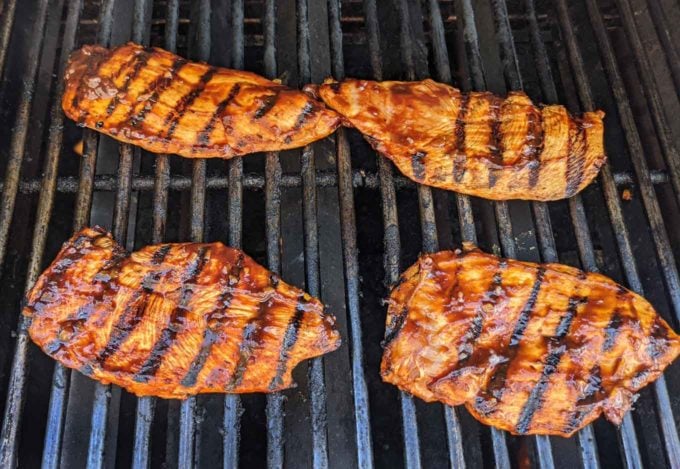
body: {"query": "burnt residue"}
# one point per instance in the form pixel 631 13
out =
pixel 460 156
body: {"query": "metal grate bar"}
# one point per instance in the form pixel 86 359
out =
pixel 256 182
pixel 663 247
pixel 232 402
pixel 9 440
pixel 6 29
pixel 273 173
pixel 187 416
pixel 351 261
pixel 650 88
pixel 20 131
pixel 392 240
pixel 311 242
pixel 146 406
pixel 651 204
pixel 663 31
pixel 465 216
pixel 628 439
pixel 103 393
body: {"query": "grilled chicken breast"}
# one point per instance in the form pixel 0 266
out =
pixel 163 103
pixel 174 320
pixel 473 143
pixel 528 348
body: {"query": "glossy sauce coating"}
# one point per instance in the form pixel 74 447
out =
pixel 474 143
pixel 166 104
pixel 528 348
pixel 173 320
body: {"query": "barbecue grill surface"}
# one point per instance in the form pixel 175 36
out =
pixel 334 219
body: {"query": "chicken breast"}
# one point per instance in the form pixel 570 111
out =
pixel 166 104
pixel 474 143
pixel 173 320
pixel 527 348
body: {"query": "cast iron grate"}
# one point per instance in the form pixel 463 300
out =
pixel 308 214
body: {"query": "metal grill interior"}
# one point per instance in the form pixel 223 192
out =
pixel 334 219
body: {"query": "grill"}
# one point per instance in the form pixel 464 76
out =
pixel 334 219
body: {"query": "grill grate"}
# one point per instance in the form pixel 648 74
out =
pixel 322 206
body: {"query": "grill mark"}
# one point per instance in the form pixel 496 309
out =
pixel 535 141
pixel 418 165
pixel 398 320
pixel 460 157
pixel 495 140
pixel 475 330
pixel 335 86
pixel 289 340
pixel 134 312
pixel 612 330
pixel 157 87
pixel 575 162
pixel 557 347
pixel 169 333
pixel 204 135
pixel 395 327
pixel 307 111
pixel 495 386
pixel 267 104
pixel 210 334
pixel 185 101
pixel 140 60
pixel 252 336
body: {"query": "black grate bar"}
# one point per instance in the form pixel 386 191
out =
pixel 273 174
pixel 392 240
pixel 146 406
pixel 62 376
pixel 663 32
pixel 465 216
pixel 20 130
pixel 659 234
pixel 650 88
pixel 428 221
pixel 19 370
pixel 187 417
pixel 103 393
pixel 351 260
pixel 586 436
pixel 651 204
pixel 256 182
pixel 6 29
pixel 232 402
pixel 317 387
pixel 627 435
